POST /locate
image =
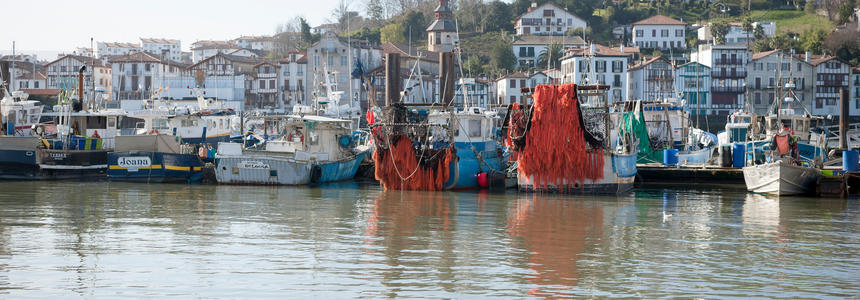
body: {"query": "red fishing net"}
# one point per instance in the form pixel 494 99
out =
pixel 556 150
pixel 431 173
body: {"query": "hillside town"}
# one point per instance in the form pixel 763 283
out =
pixel 715 71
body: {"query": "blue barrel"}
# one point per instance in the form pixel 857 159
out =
pixel 738 155
pixel 850 160
pixel 670 157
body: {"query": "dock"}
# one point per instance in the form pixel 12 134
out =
pixel 658 173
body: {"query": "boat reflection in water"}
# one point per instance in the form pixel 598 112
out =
pixel 554 231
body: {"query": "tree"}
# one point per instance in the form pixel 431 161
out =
pixel 413 22
pixel 809 7
pixel 375 11
pixel 392 33
pixel 473 65
pixel 813 40
pixel 845 44
pixel 845 12
pixel 552 54
pixel 499 17
pixel 719 30
pixel 502 57
pixel 305 29
pixel 758 32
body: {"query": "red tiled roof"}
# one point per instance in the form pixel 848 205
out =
pixel 759 55
pixel 659 20
pixel 647 62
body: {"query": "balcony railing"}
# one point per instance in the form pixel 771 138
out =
pixel 267 75
pixel 718 61
pixel 729 74
pixel 727 89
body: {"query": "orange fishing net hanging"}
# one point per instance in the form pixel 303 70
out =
pixel 556 152
pixel 402 155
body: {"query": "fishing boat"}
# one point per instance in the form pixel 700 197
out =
pixel 18 113
pixel 308 149
pixel 661 125
pixel 154 158
pixel 565 143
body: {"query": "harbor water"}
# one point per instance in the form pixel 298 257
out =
pixel 118 240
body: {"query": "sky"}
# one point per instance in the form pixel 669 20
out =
pixel 53 26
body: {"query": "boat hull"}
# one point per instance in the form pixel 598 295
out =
pixel 341 170
pixel 19 165
pixel 619 174
pixel 257 169
pixel 697 157
pixel 470 162
pixel 156 167
pixel 72 164
pixel 780 178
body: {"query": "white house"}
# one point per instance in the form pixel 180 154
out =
pixel 260 43
pixel 137 75
pixel 62 73
pixel 547 19
pixel 831 76
pixel 660 32
pixel 105 49
pixel 527 48
pixel 652 79
pixel 166 48
pixel 474 90
pixel 323 28
pixel 605 66
pixel 201 50
pixel 509 87
pixel 332 54
pixel 736 34
pixel 728 65
pixel 293 77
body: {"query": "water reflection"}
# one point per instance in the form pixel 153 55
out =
pixel 555 231
pixel 99 240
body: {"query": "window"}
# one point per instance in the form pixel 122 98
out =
pixel 653 32
pixel 287 84
pixel 770 98
pixel 160 124
pixel 343 60
pixel 513 99
pixel 757 98
pixel 531 51
pixel 438 39
pixel 331 60
pixel 758 82
pixel 522 83
pixel 799 67
pixel 513 84
pixel 271 83
pixel 617 66
pixel 679 32
pixel 785 66
pixel 36 84
pixel 262 84
pixel 639 33
pixel 147 67
pixel 189 123
pixel 474 128
pixel 316 60
pixel 770 82
pixel 617 81
pixel 664 33
pixel 523 51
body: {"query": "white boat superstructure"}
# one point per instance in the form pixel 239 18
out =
pixel 210 122
pixel 19 113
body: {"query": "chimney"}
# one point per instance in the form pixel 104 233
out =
pixel 622 47
pixel 806 58
pixel 533 6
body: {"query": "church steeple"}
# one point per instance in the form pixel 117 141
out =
pixel 442 33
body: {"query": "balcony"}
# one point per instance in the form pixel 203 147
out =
pixel 831 83
pixel 267 75
pixel 729 74
pixel 718 61
pixel 727 89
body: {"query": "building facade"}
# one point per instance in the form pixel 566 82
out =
pixel 736 33
pixel 693 79
pixel 293 70
pixel 259 43
pixel 547 19
pixel 442 33
pixel 331 55
pixel 105 49
pixel 652 79
pixel 728 65
pixel 62 73
pixel 598 64
pixel 201 50
pixel 138 75
pixel 831 76
pixel 769 72
pixel 164 48
pixel 527 48
pixel 660 32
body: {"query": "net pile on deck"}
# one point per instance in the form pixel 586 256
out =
pixel 558 152
pixel 403 163
pixel 634 125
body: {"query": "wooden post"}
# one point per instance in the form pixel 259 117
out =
pixel 446 78
pixel 843 119
pixel 392 78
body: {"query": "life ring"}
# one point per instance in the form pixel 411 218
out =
pixel 154 131
pixel 201 152
pixel 301 137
